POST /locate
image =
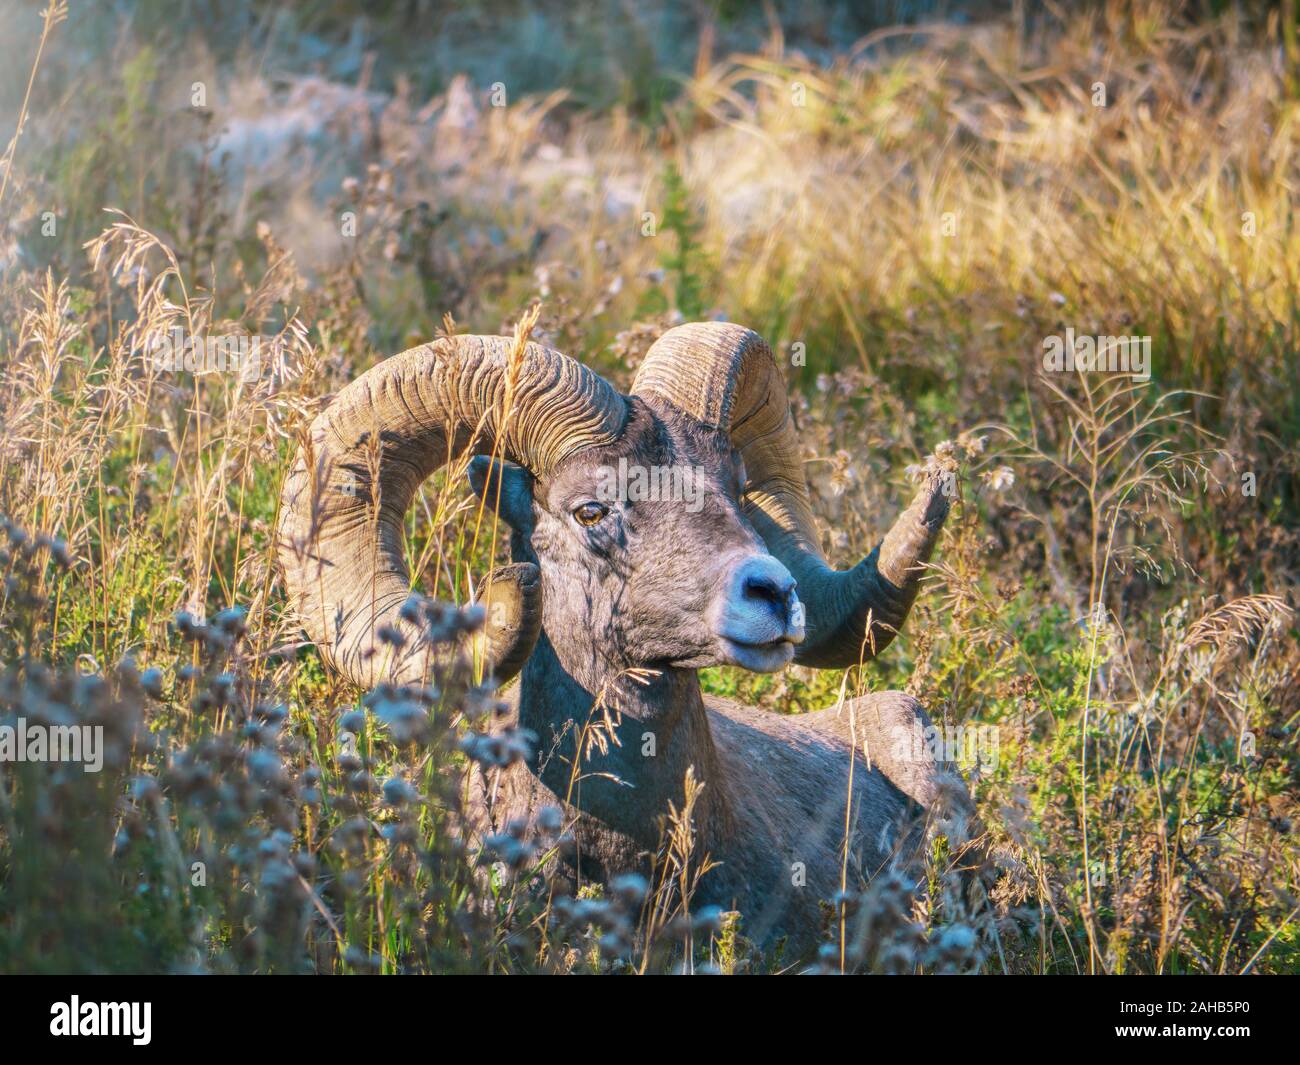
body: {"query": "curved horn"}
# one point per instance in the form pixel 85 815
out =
pixel 376 442
pixel 726 377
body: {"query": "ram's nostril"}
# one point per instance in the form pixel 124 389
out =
pixel 765 588
pixel 756 603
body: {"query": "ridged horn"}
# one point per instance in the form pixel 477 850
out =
pixel 377 441
pixel 726 377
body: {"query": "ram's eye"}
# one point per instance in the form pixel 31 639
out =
pixel 589 513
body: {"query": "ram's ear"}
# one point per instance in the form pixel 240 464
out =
pixel 507 487
pixel 512 597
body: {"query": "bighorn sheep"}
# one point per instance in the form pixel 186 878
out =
pixel 602 585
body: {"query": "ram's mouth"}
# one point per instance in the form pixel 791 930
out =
pixel 756 657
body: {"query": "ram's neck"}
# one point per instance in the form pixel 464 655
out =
pixel 618 744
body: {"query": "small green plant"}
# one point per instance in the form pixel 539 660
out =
pixel 683 262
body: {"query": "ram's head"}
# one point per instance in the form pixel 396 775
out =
pixel 672 524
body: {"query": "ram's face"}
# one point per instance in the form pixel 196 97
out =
pixel 643 546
